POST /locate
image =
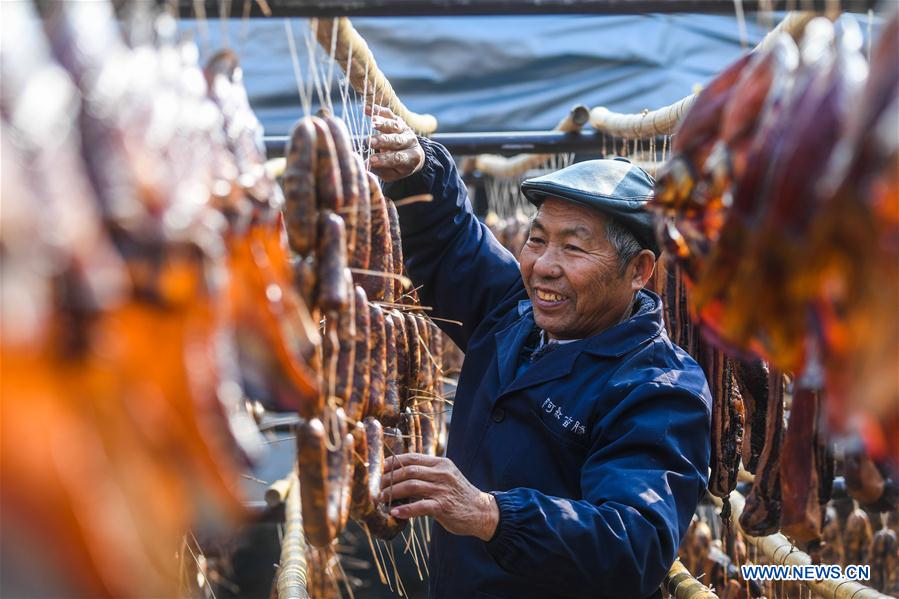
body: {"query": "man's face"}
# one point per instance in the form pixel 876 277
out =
pixel 570 271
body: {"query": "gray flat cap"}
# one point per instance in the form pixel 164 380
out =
pixel 614 187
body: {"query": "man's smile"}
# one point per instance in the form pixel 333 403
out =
pixel 547 299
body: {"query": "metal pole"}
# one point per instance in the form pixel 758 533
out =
pixel 397 8
pixel 507 143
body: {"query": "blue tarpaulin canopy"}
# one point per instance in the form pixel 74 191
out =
pixel 499 73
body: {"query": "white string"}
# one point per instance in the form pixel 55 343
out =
pixel 311 48
pixel 305 100
pixel 741 22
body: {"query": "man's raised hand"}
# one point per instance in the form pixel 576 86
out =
pixel 397 151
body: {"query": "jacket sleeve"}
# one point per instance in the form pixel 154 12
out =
pixel 641 483
pixel 463 271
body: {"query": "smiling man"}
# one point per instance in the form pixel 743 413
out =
pixel 579 442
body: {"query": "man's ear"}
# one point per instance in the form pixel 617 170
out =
pixel 640 269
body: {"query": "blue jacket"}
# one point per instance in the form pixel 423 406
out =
pixel 597 454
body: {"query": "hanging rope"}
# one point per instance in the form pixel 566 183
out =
pixel 664 121
pixel 500 166
pixel 352 53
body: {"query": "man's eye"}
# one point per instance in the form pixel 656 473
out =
pixel 572 248
pixel 536 240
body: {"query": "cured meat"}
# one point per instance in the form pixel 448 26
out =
pixel 396 245
pixel 752 381
pixel 801 517
pixel 762 512
pixel 414 341
pixel 727 423
pixel 402 357
pixel 361 254
pixel 832 551
pixel 378 386
pixel 885 561
pixel 346 355
pixel 695 137
pixel 301 207
pixel 332 296
pixel 349 178
pixel 379 287
pixel 857 537
pixel 379 521
pixel 328 186
pixel 391 413
pixel 319 514
pixel 358 401
pixel 368 467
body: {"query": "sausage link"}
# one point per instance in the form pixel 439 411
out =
pixel 378 358
pixel 349 178
pixel 411 427
pixel 312 460
pixel 393 442
pixel 428 429
pixel 402 357
pixel 355 407
pixel 423 382
pixel 391 413
pixel 374 436
pixel 338 476
pixel 379 521
pixel 414 356
pixel 360 501
pixel 362 251
pixel 346 334
pixel 304 278
pixel 300 207
pixel 327 169
pixel 379 288
pixel 332 294
pixel 396 246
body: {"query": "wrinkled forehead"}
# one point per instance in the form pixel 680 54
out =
pixel 556 215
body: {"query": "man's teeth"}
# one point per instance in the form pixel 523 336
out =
pixel 549 297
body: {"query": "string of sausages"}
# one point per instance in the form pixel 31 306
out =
pixel 380 366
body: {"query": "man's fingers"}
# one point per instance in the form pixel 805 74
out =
pixel 406 489
pixel 385 125
pixel 409 459
pixel 393 141
pixel 423 507
pixel 378 110
pixel 413 472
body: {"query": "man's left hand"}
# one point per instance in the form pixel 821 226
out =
pixel 438 489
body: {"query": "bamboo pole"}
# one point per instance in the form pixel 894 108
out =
pixel 780 550
pixel 276 493
pixel 681 584
pixel 664 121
pixel 514 166
pixel 357 61
pixel 292 571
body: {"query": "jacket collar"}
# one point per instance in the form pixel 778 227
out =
pixel 645 325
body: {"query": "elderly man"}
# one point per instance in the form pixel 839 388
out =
pixel 579 443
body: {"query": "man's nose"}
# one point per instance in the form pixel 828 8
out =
pixel 547 266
